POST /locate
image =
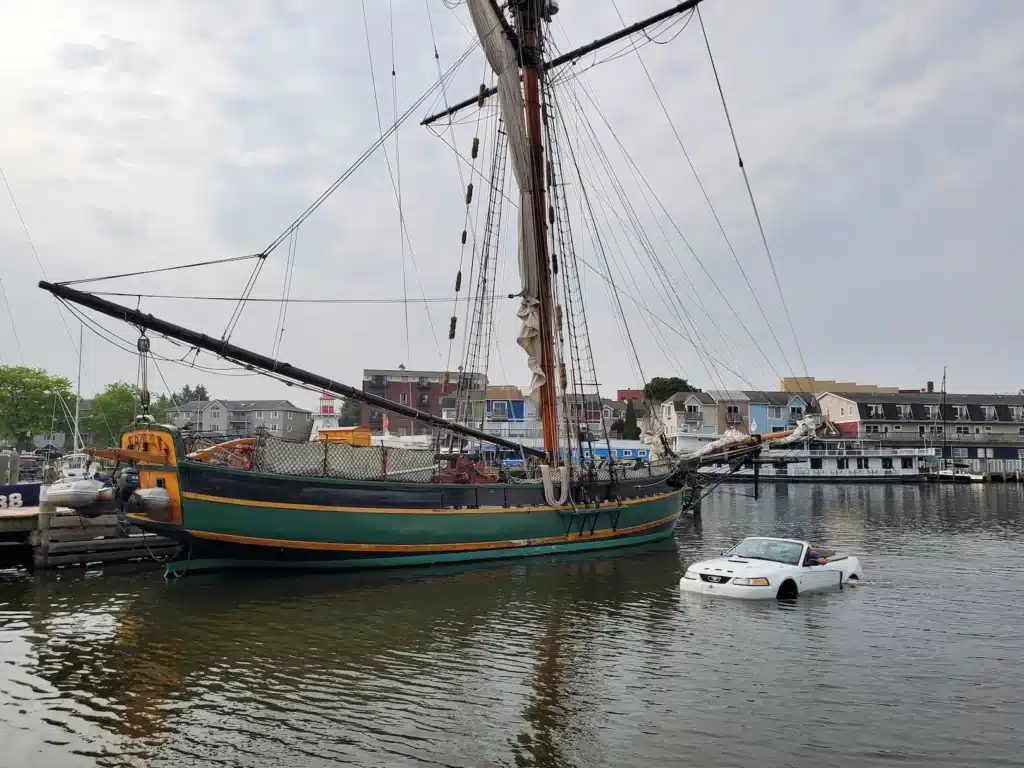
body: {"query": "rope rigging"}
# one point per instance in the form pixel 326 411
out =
pixel 706 196
pixel 750 193
pixel 330 190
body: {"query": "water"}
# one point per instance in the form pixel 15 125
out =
pixel 572 662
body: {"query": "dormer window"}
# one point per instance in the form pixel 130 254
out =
pixel 932 412
pixel 960 412
pixel 875 411
pixel 990 412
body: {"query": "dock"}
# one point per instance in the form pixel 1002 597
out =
pixel 39 538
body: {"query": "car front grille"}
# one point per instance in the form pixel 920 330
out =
pixel 714 578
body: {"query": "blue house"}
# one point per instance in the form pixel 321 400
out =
pixel 775 411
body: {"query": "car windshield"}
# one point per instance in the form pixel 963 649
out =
pixel 769 549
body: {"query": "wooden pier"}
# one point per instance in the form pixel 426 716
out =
pixel 42 537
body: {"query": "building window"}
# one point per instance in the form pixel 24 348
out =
pixel 815 463
pixel 907 463
pixel 402 432
pixel 259 414
pixel 289 427
pixel 403 398
pixel 499 408
pixel 842 464
pixel 290 414
pixel 871 429
pixel 932 412
pixel 796 411
pixel 627 452
pixel 960 412
pixel 988 427
pixel 875 411
pixel 214 413
pixel 1017 412
pixel 935 430
pixel 886 463
pixel 897 428
pixel 959 453
pixel 774 412
pixel 963 430
pixel 1020 431
pixel 1020 453
pixel 903 411
pixel 990 412
pixel 864 463
pixel 273 414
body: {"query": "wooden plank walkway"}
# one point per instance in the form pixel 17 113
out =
pixel 40 538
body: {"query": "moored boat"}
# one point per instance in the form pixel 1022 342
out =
pixel 230 517
pixel 262 501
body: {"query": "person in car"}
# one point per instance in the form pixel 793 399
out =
pixel 813 558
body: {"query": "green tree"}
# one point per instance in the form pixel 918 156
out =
pixel 630 430
pixel 28 403
pixel 350 414
pixel 187 394
pixel 660 389
pixel 112 410
pixel 162 410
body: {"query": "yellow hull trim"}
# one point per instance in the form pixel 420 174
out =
pixel 409 511
pixel 414 548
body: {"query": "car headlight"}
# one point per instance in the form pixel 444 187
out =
pixel 758 582
pixel 689 575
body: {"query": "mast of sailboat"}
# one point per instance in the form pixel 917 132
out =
pixel 942 409
pixel 254 360
pixel 574 54
pixel 78 393
pixel 530 33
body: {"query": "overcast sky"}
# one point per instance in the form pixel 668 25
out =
pixel 882 141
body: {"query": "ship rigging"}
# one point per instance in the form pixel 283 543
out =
pixel 389 512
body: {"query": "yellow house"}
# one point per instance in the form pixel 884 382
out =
pixel 359 436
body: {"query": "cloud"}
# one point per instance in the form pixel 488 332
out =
pixel 881 142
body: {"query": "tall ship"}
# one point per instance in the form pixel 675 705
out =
pixel 263 501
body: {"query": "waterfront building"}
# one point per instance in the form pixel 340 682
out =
pixel 235 418
pixel 984 431
pixel 422 390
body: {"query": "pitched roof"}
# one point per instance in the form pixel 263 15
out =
pixel 503 392
pixel 933 398
pixel 241 405
pixel 771 398
pixel 728 395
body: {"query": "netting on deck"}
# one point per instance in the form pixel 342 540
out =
pixel 325 459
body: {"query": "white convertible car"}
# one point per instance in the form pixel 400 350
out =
pixel 759 568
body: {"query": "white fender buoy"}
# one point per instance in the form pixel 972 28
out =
pixel 549 490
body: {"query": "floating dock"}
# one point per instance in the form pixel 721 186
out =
pixel 45 537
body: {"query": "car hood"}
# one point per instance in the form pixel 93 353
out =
pixel 736 566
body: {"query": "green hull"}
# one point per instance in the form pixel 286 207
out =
pixel 235 518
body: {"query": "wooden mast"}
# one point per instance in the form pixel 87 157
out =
pixel 528 15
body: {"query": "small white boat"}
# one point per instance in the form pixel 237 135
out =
pixel 762 568
pixel 80 494
pixel 959 475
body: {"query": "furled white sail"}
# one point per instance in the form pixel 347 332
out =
pixel 502 57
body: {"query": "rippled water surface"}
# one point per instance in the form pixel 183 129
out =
pixel 568 662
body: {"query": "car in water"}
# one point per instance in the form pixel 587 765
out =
pixel 761 568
